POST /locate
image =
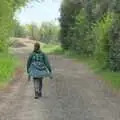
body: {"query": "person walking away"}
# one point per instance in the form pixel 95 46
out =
pixel 38 67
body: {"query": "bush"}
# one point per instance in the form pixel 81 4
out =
pixel 114 53
pixel 7 67
pixel 101 36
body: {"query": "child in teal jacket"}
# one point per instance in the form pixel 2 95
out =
pixel 38 67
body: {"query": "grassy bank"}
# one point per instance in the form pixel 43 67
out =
pixel 7 66
pixel 112 78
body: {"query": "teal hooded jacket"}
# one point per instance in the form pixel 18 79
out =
pixel 38 65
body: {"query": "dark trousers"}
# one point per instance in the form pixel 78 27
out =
pixel 38 83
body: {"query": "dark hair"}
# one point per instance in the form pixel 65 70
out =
pixel 36 47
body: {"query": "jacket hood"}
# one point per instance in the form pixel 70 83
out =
pixel 39 51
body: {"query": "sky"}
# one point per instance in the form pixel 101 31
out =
pixel 36 12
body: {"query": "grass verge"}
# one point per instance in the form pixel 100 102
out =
pixel 8 64
pixel 111 78
pixel 52 49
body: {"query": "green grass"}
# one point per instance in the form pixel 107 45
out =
pixel 112 78
pixel 52 49
pixel 8 64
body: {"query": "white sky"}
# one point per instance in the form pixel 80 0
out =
pixel 40 12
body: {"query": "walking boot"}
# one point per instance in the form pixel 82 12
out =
pixel 36 95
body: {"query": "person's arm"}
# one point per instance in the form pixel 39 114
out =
pixel 46 61
pixel 29 63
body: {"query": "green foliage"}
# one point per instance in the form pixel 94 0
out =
pixel 91 28
pixel 33 31
pixel 7 13
pixel 52 49
pixel 101 37
pixel 7 63
pixel 69 10
pixel 114 51
pixel 19 30
pixel 5 23
pixel 80 30
pixel 49 33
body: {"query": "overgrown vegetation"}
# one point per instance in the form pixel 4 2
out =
pixel 91 28
pixel 8 9
pixel 7 13
pixel 7 66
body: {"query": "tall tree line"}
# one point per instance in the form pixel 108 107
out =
pixel 92 28
pixel 47 32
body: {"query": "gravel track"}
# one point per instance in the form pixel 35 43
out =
pixel 75 93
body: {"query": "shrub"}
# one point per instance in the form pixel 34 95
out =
pixel 101 36
pixel 114 52
pixel 7 66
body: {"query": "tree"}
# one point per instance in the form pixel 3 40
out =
pixel 19 30
pixel 49 32
pixel 7 13
pixel 69 10
pixel 92 27
pixel 33 31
